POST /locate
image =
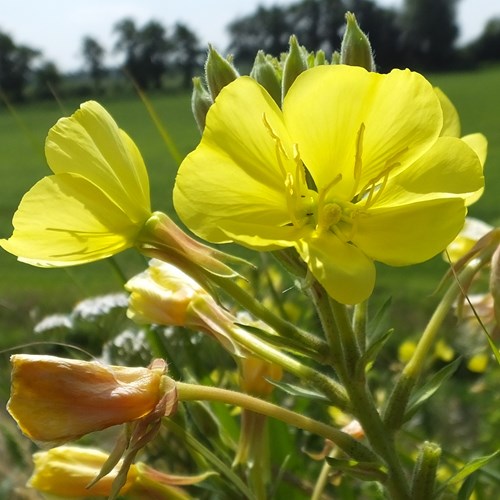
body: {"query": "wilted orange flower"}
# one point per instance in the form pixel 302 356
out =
pixel 56 400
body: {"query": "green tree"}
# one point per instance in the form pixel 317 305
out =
pixel 487 46
pixel 47 80
pixel 146 51
pixel 430 31
pixel 15 67
pixel 93 54
pixel 267 29
pixel 188 55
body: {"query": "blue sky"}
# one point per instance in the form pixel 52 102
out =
pixel 56 26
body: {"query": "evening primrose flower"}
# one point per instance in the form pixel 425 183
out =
pixel 96 202
pixel 56 400
pixel 354 169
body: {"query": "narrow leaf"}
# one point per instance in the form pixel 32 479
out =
pixel 429 389
pixel 468 469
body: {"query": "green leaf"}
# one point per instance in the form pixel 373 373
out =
pixel 366 361
pixel 378 326
pixel 467 487
pixel 420 396
pixel 365 471
pixel 467 470
pixel 301 392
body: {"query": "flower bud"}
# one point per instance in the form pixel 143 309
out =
pixel 161 295
pixel 66 472
pixel 57 400
pixel 200 103
pixel 266 71
pixel 165 295
pixel 218 72
pixel 356 49
pixel 295 63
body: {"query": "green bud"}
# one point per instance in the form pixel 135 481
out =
pixel 424 474
pixel 200 103
pixel 356 49
pixel 336 57
pixel 295 63
pixel 266 71
pixel 218 72
pixel 320 58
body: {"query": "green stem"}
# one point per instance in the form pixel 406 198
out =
pixel 359 321
pixel 331 389
pixel 394 414
pixel 352 447
pixel 338 330
pixel 348 338
pixel 284 328
pixel 321 482
pixel 323 308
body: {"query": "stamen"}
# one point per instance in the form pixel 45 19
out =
pixel 293 185
pixel 358 161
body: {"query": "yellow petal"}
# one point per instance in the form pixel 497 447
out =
pixel 449 168
pixel 451 120
pixel 327 106
pixel 233 178
pixel 345 272
pixel 408 234
pixel 479 144
pixel 89 143
pixel 66 220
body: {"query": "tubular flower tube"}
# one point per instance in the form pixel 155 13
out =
pixel 96 202
pixel 56 400
pixel 354 169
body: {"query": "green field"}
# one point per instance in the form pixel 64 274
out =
pixel 27 293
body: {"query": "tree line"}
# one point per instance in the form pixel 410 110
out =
pixel 422 35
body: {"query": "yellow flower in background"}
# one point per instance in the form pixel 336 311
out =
pixel 56 399
pixel 96 202
pixel 354 169
pixel 472 231
pixel 66 472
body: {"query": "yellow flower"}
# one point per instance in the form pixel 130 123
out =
pixel 96 202
pixel 56 400
pixel 66 472
pixel 354 169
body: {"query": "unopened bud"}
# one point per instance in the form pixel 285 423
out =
pixel 424 475
pixel 219 72
pixel 356 49
pixel 268 75
pixel 200 103
pixel 335 58
pixel 295 63
pixel 320 58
